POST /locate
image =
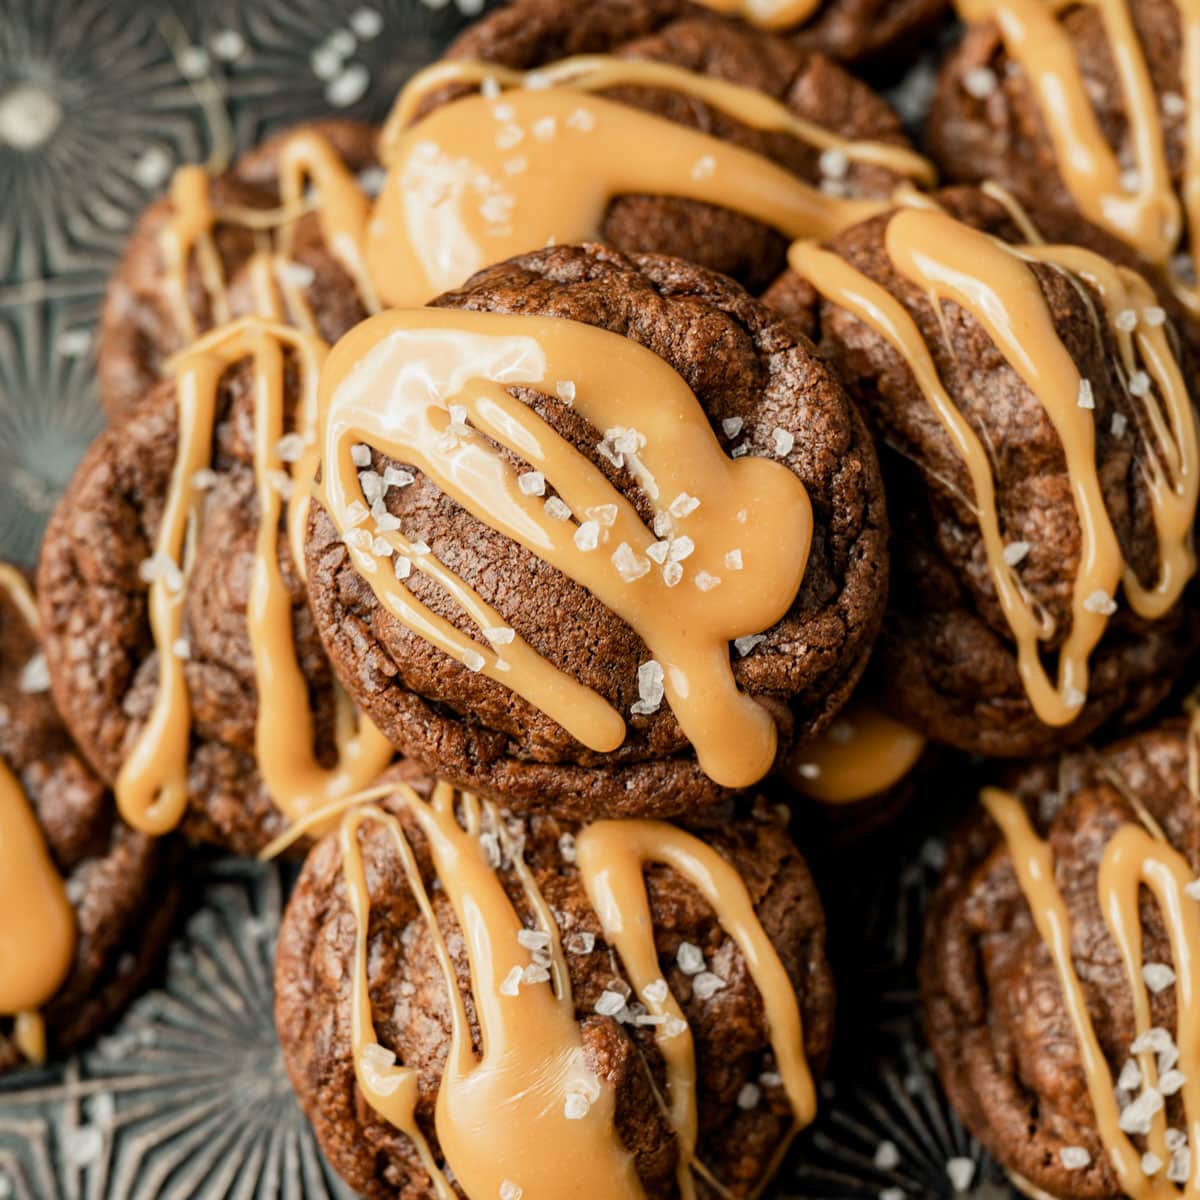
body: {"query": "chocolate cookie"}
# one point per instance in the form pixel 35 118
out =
pixel 88 898
pixel 532 33
pixel 1048 114
pixel 1009 1018
pixel 153 309
pixel 553 1049
pixel 991 472
pixel 162 632
pixel 450 700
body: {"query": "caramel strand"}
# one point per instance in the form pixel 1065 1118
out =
pixel 1000 291
pixel 481 179
pixel 1138 205
pixel 406 383
pixel 152 786
pixel 37 922
pixel 1133 860
pixel 501 1117
pixel 612 856
pixel 862 754
pixel 529 1111
pixel 305 158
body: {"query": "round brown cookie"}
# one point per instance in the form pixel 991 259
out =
pixel 94 603
pixel 994 1010
pixel 531 33
pixel 1001 134
pixel 138 330
pixel 741 361
pixel 946 655
pixel 119 882
pixel 409 1003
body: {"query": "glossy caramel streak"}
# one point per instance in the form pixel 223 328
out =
pixel 392 382
pixel 502 1116
pixel 152 785
pixel 1137 205
pixel 306 161
pixel 992 281
pixel 482 179
pixel 37 922
pixel 862 754
pixel 612 856
pixel 1134 860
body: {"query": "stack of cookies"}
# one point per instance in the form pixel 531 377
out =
pixel 535 510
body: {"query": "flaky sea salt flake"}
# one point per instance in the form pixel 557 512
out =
pixel 706 985
pixel 1139 384
pixel 656 992
pixel 744 645
pixel 1158 976
pixel 587 536
pixel 512 982
pixel 1074 1158
pixel 979 82
pixel 629 564
pixel 531 483
pixel 1087 398
pixel 650 689
pixel 683 506
pixel 609 1003
pixel 1130 1078
pixel 35 676
pixel 1100 602
pixel 1137 1115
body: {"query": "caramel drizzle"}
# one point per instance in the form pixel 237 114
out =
pixel 501 1116
pixel 37 922
pixel 1144 212
pixel 862 754
pixel 766 14
pixel 152 786
pixel 998 289
pixel 1134 858
pixel 305 159
pixel 484 178
pixel 612 857
pixel 392 382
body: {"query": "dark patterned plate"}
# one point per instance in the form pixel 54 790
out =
pixel 186 1097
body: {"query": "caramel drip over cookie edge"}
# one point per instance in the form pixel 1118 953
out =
pixel 152 786
pixel 37 921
